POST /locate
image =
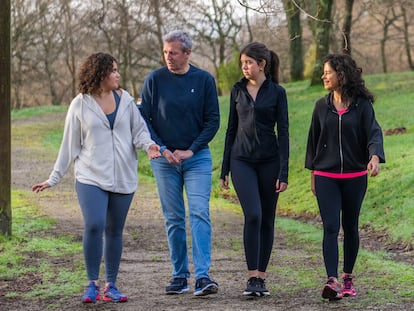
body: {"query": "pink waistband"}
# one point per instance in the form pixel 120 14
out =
pixel 340 175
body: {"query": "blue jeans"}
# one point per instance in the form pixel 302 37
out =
pixel 194 176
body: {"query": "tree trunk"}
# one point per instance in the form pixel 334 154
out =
pixel 71 49
pixel 159 25
pixel 406 39
pixel 321 37
pixel 5 126
pixel 295 47
pixel 346 43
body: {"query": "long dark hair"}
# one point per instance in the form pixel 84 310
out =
pixel 94 69
pixel 258 51
pixel 349 77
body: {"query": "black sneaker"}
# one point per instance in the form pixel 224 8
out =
pixel 262 284
pixel 177 286
pixel 205 286
pixel 254 287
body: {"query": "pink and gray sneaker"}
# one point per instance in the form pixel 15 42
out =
pixel 332 289
pixel 348 289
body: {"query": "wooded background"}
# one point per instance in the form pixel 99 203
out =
pixel 50 38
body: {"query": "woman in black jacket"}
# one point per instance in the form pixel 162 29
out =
pixel 256 157
pixel 345 143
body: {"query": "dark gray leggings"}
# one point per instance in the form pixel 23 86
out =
pixel 335 196
pixel 255 185
pixel 104 214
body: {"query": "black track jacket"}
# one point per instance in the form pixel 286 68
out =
pixel 343 144
pixel 251 134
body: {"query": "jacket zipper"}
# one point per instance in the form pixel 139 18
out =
pixel 341 155
pixel 114 155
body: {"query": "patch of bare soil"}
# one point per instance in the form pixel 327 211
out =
pixel 145 267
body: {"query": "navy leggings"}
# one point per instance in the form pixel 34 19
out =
pixel 255 185
pixel 335 196
pixel 104 214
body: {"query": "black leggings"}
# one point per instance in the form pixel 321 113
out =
pixel 255 185
pixel 336 195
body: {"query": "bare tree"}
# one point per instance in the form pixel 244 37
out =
pixel 405 30
pixel 72 34
pixel 23 36
pixel 49 49
pixel 295 34
pixel 347 25
pixel 132 32
pixel 216 28
pixel 49 37
pixel 405 12
pixel 384 13
pixel 320 23
pixel 244 4
pixel 5 146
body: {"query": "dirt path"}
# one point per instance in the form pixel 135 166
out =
pixel 145 267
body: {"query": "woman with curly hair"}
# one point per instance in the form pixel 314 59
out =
pixel 345 143
pixel 103 130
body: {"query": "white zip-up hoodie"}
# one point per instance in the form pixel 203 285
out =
pixel 103 157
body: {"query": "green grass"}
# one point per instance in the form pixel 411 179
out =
pixel 388 206
pixel 27 255
pixel 394 281
pixel 36 111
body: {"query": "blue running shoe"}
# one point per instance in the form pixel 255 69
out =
pixel 205 286
pixel 111 293
pixel 92 293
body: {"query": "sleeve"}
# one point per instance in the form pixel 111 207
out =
pixel 313 138
pixel 141 136
pixel 70 146
pixel 373 132
pixel 146 108
pixel 230 136
pixel 211 116
pixel 282 118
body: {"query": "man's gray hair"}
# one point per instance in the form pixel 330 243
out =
pixel 181 36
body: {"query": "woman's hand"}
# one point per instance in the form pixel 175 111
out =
pixel 281 186
pixel 225 182
pixel 313 183
pixel 153 152
pixel 40 187
pixel 373 166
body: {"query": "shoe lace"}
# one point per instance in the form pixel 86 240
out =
pixel 92 286
pixel 177 281
pixel 253 281
pixel 332 282
pixel 202 282
pixel 113 290
pixel 348 283
pixel 92 290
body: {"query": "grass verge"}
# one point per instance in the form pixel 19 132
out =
pixel 46 262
